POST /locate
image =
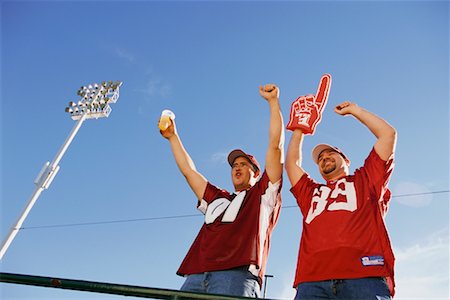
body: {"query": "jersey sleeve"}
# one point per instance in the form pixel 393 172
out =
pixel 303 191
pixel 269 191
pixel 378 172
pixel 212 192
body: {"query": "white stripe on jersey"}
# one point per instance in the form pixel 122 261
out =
pixel 268 201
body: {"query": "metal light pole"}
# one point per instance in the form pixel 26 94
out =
pixel 94 103
pixel 265 284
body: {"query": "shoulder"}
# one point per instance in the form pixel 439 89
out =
pixel 303 183
pixel 374 162
pixel 213 192
pixel 264 182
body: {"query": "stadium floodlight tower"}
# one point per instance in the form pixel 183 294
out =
pixel 94 103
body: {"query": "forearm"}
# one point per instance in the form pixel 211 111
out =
pixel 379 127
pixel 182 158
pixel 187 167
pixel 275 150
pixel 386 134
pixel 276 127
pixel 294 157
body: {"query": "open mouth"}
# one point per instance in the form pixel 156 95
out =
pixel 238 174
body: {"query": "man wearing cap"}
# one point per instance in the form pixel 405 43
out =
pixel 230 252
pixel 345 252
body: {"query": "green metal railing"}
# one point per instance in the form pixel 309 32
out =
pixel 107 288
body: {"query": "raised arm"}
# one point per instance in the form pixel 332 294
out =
pixel 184 162
pixel 275 150
pixel 293 166
pixel 386 134
pixel 306 113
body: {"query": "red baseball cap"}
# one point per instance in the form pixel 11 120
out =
pixel 322 147
pixel 239 153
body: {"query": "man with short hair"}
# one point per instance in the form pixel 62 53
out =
pixel 345 252
pixel 230 252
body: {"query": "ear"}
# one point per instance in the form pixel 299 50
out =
pixel 256 174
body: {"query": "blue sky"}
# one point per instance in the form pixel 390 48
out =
pixel 205 61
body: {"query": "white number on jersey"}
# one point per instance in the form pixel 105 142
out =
pixel 322 194
pixel 218 206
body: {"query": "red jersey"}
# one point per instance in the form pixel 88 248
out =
pixel 237 229
pixel 344 235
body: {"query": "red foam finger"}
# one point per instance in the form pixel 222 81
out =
pixel 300 109
pixel 294 106
pixel 323 91
pixel 306 111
